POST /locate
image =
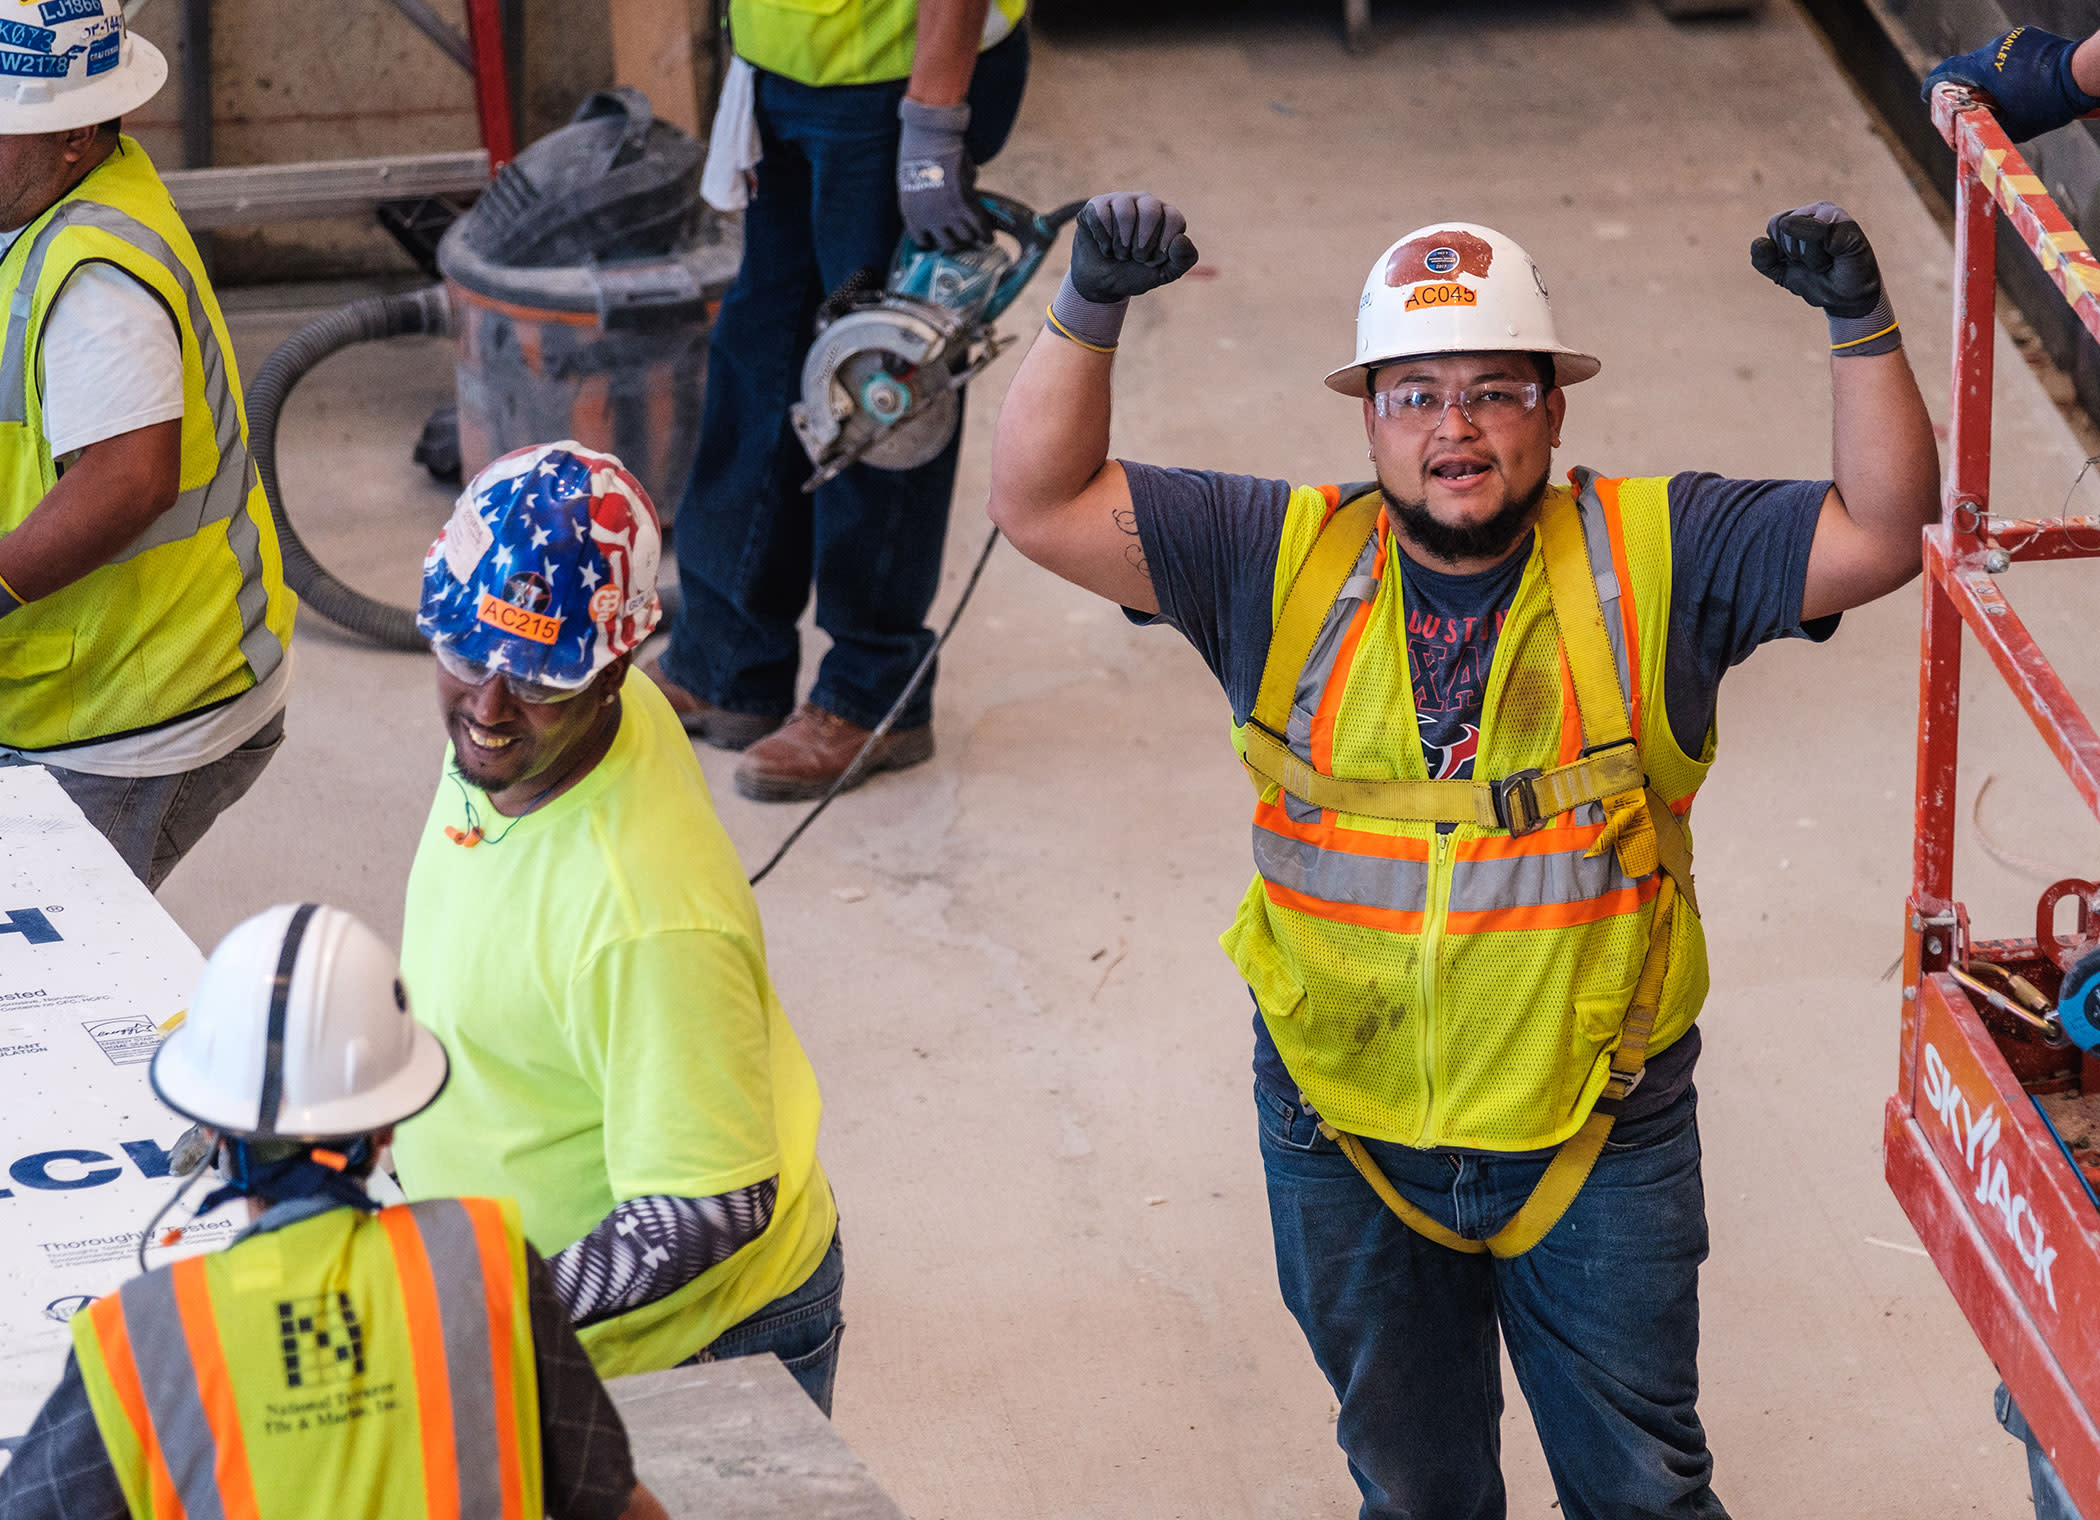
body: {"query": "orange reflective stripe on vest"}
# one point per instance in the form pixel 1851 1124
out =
pixel 107 1317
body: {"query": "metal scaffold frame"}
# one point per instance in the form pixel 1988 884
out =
pixel 1995 1198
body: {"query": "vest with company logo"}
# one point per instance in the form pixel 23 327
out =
pixel 827 42
pixel 195 610
pixel 1464 988
pixel 347 1364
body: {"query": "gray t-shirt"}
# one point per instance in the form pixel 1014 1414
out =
pixel 1739 561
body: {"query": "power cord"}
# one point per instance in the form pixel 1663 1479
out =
pixel 918 677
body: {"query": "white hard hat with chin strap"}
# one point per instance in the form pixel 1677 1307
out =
pixel 71 63
pixel 1454 288
pixel 299 1030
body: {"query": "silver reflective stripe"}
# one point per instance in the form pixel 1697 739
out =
pixel 1534 881
pixel 455 1266
pixel 1368 881
pixel 1361 587
pixel 167 1376
pixel 224 497
pixel 1596 537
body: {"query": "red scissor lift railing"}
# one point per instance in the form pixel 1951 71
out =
pixel 1995 1199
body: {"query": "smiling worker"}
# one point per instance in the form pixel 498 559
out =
pixel 1476 706
pixel 580 935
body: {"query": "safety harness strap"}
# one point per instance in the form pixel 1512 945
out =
pixel 1314 590
pixel 1571 1164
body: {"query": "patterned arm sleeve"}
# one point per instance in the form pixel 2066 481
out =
pixel 648 1248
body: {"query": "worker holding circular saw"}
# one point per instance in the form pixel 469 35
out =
pixel 870 117
pixel 1476 704
pixel 338 1358
pixel 144 619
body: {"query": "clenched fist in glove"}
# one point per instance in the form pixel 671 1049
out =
pixel 2027 75
pixel 1123 245
pixel 1823 256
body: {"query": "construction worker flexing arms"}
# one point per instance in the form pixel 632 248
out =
pixel 144 619
pixel 1476 706
pixel 338 1358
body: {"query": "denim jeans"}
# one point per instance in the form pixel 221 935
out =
pixel 749 542
pixel 1601 1317
pixel 2052 1501
pixel 156 820
pixel 802 1328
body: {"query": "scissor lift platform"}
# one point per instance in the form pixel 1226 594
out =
pixel 1997 1195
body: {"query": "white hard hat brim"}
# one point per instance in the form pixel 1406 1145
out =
pixel 196 1093
pixel 1569 367
pixel 118 92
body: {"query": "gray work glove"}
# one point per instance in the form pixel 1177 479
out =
pixel 1821 255
pixel 1127 243
pixel 1124 244
pixel 936 182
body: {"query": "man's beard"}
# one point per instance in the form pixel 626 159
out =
pixel 1488 540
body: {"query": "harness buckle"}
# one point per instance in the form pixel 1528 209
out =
pixel 1630 1079
pixel 1517 802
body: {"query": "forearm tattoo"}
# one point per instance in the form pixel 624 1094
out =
pixel 649 1248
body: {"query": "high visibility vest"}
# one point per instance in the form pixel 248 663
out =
pixel 826 42
pixel 195 610
pixel 1468 987
pixel 344 1365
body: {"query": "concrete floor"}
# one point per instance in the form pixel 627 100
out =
pixel 1003 963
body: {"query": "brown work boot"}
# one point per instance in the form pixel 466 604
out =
pixel 705 721
pixel 813 749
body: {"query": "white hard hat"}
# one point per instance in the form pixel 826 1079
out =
pixel 1454 288
pixel 299 1029
pixel 71 63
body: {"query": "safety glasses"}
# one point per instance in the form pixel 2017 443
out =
pixel 476 673
pixel 1490 403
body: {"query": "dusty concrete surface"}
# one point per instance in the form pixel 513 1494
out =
pixel 1034 1056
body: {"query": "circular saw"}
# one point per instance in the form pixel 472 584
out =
pixel 882 383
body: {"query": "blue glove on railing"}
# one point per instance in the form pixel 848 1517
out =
pixel 2027 75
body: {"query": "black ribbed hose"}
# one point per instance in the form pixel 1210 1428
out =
pixel 414 311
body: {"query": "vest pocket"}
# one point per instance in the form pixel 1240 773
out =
pixel 1252 945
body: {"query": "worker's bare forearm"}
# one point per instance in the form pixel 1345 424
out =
pixel 644 1505
pixel 1055 492
pixel 1885 468
pixel 1052 437
pixel 108 498
pixel 2085 65
pixel 945 55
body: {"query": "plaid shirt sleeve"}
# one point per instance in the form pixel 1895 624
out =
pixel 587 1467
pixel 60 1469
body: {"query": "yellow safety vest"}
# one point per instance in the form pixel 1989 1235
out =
pixel 344 1365
pixel 193 612
pixel 1470 987
pixel 826 42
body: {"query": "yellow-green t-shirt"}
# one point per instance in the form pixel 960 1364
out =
pixel 597 972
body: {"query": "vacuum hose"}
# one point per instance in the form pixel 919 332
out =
pixel 415 311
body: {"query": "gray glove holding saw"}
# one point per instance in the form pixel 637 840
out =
pixel 936 182
pixel 1823 256
pixel 1124 244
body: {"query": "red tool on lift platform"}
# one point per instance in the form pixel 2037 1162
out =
pixel 1994 1130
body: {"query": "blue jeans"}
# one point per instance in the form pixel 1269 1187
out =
pixel 749 542
pixel 156 820
pixel 2052 1501
pixel 1602 1319
pixel 802 1328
